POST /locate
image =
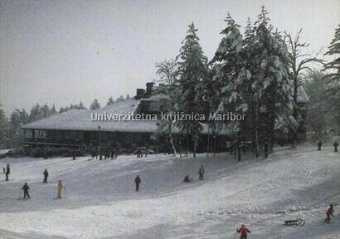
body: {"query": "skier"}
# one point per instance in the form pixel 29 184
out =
pixel 74 154
pixel 335 146
pixel 187 179
pixel 8 171
pixel 319 145
pixel 25 188
pixel 329 213
pixel 137 182
pixel 45 176
pixel 201 173
pixel 243 231
pixel 60 188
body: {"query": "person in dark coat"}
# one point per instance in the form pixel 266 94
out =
pixel 266 149
pixel 139 153
pixel 329 213
pixel 25 188
pixel 45 176
pixel 187 179
pixel 201 173
pixel 319 145
pixel 8 171
pixel 115 153
pixel 335 146
pixel 243 230
pixel 74 154
pixel 137 182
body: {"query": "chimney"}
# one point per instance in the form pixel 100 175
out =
pixel 140 94
pixel 149 88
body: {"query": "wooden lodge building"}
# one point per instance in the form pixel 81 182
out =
pixel 125 125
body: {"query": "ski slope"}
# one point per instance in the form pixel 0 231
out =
pixel 99 200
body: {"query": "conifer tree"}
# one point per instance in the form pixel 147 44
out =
pixel 272 84
pixel 95 105
pixel 110 101
pixel 192 77
pixel 231 75
pixel 333 77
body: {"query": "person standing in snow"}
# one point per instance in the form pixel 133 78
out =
pixel 329 213
pixel 243 230
pixel 60 188
pixel 137 182
pixel 319 145
pixel 74 155
pixel 45 176
pixel 201 173
pixel 335 146
pixel 8 171
pixel 25 188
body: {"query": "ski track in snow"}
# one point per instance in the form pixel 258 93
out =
pixel 99 200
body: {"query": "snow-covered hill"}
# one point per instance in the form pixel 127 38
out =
pixel 100 199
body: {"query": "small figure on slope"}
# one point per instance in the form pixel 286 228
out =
pixel 243 230
pixel 335 146
pixel 45 176
pixel 137 182
pixel 319 145
pixel 329 213
pixel 59 188
pixel 25 188
pixel 8 171
pixel 201 173
pixel 187 179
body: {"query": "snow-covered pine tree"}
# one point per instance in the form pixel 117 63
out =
pixel 271 85
pixel 192 76
pixel 231 75
pixel 110 101
pixel 250 65
pixel 333 76
pixel 95 105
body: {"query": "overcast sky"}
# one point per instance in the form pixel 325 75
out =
pixel 63 52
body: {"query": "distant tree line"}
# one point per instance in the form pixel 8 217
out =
pixel 11 134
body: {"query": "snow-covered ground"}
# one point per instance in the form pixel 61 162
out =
pixel 100 202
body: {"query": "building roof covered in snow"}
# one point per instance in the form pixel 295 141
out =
pixel 302 97
pixel 121 116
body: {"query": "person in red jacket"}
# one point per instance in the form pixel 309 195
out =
pixel 329 213
pixel 243 231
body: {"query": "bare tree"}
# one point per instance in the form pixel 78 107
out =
pixel 299 63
